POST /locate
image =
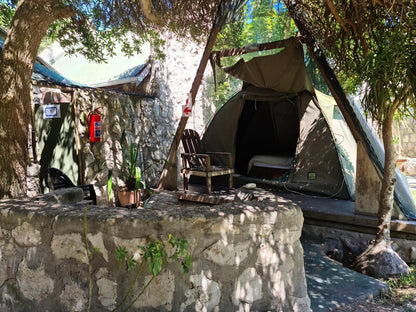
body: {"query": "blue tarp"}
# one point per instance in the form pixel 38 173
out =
pixel 45 75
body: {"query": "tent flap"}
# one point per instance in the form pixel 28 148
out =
pixel 266 71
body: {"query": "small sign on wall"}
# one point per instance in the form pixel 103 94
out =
pixel 187 108
pixel 51 111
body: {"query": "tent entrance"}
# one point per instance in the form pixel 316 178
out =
pixel 266 138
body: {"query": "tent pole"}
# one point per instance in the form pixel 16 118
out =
pixel 168 178
pixel 332 83
pixel 217 55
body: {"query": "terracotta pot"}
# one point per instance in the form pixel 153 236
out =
pixel 127 197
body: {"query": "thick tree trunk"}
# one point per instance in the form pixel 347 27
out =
pixel 387 185
pixel 30 23
pixel 379 259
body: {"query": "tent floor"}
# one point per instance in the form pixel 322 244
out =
pixel 321 211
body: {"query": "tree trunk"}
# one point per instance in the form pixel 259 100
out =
pixel 29 25
pixel 389 179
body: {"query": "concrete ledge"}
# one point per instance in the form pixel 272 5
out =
pixel 245 256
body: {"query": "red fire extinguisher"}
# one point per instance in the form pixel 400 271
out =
pixel 94 125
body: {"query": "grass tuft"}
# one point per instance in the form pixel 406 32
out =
pixel 402 289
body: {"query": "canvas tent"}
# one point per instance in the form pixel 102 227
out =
pixel 278 121
pixel 281 131
pixel 298 132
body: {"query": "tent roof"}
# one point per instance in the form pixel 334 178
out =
pixel 267 71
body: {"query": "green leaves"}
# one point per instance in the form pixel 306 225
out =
pixel 156 255
pixel 121 253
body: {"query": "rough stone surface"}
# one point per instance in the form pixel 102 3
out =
pixel 73 298
pixel 26 236
pixel 131 246
pixel 69 246
pixel 241 257
pixel 380 261
pixel 203 292
pixel 35 284
pixel 160 292
pixel 223 253
pixel 107 289
pixel 98 242
pixel 248 287
pixel 404 131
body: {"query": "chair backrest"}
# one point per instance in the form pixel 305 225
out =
pixel 192 145
pixel 191 141
pixel 56 179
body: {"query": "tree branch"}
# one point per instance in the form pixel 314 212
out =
pixel 338 18
pixel 149 14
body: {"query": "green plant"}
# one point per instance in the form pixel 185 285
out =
pixel 402 289
pixel 129 169
pixel 156 255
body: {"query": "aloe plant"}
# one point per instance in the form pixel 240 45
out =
pixel 130 171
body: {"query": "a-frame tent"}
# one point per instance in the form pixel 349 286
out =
pixel 370 150
pixel 278 131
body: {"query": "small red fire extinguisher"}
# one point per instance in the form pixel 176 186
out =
pixel 94 125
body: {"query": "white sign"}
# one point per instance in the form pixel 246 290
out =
pixel 187 108
pixel 51 111
pixel 186 111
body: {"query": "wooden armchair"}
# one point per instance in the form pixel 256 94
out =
pixel 200 164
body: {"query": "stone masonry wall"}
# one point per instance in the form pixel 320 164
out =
pixel 405 134
pixel 146 121
pixel 246 256
pixel 149 121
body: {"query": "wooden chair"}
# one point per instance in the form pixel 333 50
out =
pixel 196 163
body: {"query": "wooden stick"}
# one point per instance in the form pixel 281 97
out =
pixel 168 178
pixel 333 84
pixel 216 55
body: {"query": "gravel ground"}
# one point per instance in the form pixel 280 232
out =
pixel 377 305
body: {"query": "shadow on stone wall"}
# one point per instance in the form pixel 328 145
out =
pixel 246 256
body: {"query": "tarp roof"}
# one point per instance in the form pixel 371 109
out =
pixel 45 75
pixel 78 68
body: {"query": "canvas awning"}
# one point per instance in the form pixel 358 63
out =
pixel 267 71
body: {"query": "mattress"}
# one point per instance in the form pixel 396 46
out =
pixel 270 161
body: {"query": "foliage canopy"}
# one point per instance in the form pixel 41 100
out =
pixel 372 45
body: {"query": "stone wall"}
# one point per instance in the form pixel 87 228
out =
pixel 356 242
pixel 146 121
pixel 246 256
pixel 150 121
pixel 405 134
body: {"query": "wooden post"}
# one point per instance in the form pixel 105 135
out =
pixel 168 178
pixel 333 84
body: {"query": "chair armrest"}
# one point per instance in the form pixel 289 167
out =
pixel 229 157
pixel 204 157
pixel 194 155
pixel 219 153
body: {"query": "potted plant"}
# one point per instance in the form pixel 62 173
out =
pixel 130 173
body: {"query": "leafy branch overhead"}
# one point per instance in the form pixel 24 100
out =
pixel 93 28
